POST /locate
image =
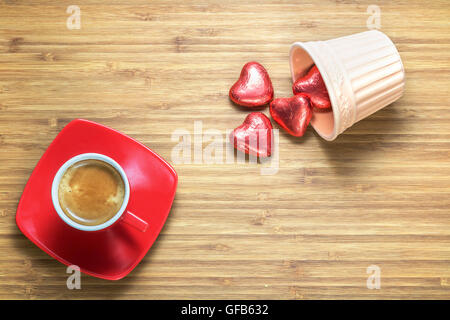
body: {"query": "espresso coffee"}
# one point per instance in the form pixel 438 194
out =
pixel 91 192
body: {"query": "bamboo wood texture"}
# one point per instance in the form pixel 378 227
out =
pixel 378 195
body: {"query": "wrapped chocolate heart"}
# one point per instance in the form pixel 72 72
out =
pixel 254 136
pixel 253 88
pixel 292 114
pixel 361 73
pixel 314 88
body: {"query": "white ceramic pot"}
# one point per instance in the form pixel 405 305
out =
pixel 363 73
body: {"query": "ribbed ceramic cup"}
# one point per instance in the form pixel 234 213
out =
pixel 363 73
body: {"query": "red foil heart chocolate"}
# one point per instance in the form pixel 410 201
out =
pixel 313 86
pixel 293 114
pixel 254 136
pixel 253 88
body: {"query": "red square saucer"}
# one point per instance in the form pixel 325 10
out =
pixel 110 254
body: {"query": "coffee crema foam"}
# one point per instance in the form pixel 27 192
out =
pixel 91 192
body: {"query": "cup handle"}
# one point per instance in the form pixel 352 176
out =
pixel 134 221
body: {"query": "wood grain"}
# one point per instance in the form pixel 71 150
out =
pixel 378 195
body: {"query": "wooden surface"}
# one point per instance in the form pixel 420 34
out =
pixel 378 195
